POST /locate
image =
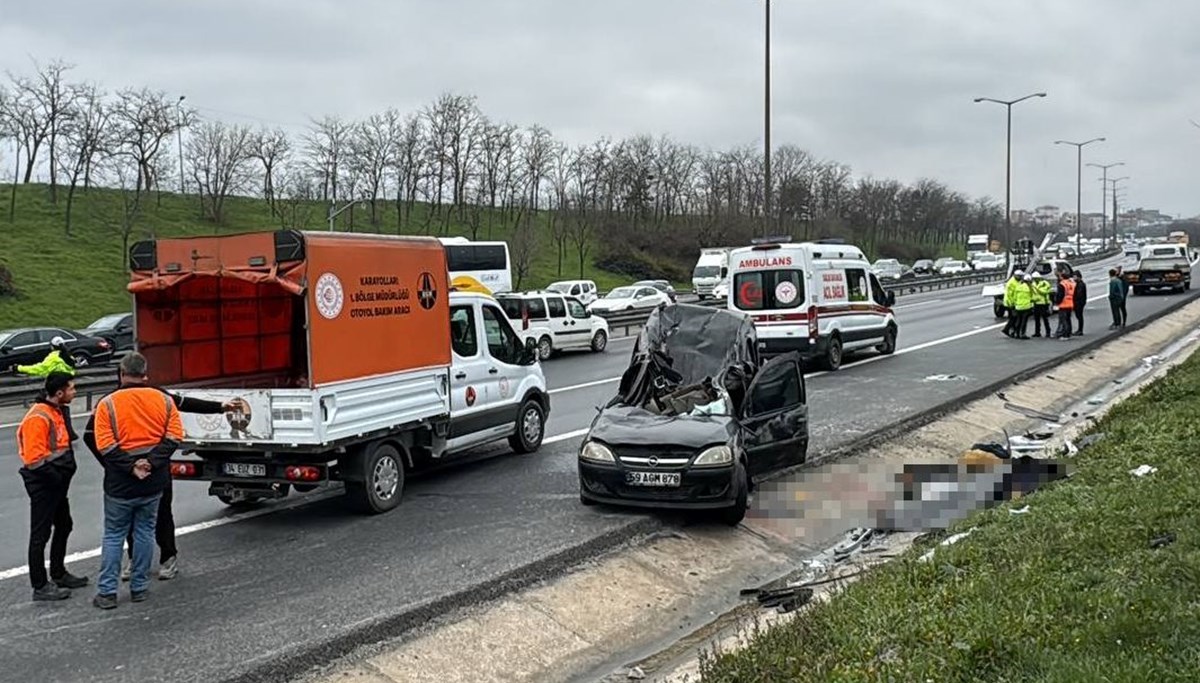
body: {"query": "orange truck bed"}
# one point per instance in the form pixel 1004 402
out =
pixel 289 308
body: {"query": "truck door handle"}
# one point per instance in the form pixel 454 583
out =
pixel 461 375
pixel 493 371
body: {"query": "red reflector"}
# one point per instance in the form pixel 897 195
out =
pixel 302 473
pixel 183 469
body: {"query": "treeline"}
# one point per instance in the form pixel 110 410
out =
pixel 641 205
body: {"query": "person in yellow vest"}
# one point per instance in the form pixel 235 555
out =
pixel 44 441
pixel 134 431
pixel 1041 304
pixel 58 360
pixel 1010 288
pixel 1022 300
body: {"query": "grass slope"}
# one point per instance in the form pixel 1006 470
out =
pixel 1071 591
pixel 72 280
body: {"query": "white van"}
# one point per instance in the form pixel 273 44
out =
pixel 555 323
pixel 819 299
pixel 583 290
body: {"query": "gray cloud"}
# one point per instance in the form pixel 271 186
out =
pixel 883 85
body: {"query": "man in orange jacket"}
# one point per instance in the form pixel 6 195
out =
pixel 47 465
pixel 1065 297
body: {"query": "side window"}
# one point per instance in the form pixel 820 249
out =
pixel 537 309
pixel 577 309
pixel 501 340
pixel 556 307
pixel 856 284
pixel 776 388
pixel 463 338
pixel 575 290
pixel 647 291
pixel 877 291
pixel 23 339
pixel 512 308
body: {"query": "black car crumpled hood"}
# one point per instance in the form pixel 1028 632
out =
pixel 622 425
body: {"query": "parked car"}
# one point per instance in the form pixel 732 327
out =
pixel 661 285
pixel 583 290
pixel 923 266
pixel 954 267
pixel 632 298
pixel 555 323
pixel 117 328
pixel 27 346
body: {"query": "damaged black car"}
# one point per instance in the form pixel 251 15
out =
pixel 697 417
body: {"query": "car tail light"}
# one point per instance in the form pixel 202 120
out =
pixel 302 473
pixel 184 469
pixel 813 327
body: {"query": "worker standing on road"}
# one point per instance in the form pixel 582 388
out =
pixel 1010 289
pixel 1065 298
pixel 133 372
pixel 1041 304
pixel 1081 297
pixel 133 433
pixel 1023 306
pixel 1116 299
pixel 44 441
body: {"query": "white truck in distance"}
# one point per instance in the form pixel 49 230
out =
pixel 711 268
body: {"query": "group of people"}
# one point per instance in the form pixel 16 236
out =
pixel 132 433
pixel 1032 296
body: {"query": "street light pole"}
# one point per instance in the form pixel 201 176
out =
pixel 1103 190
pixel 179 137
pixel 1079 187
pixel 1114 182
pixel 335 213
pixel 1008 104
pixel 767 120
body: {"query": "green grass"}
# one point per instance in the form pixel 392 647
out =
pixel 72 280
pixel 1070 591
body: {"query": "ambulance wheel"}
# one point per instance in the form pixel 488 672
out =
pixel 888 347
pixel 382 483
pixel 833 354
pixel 545 348
pixel 599 341
pixel 531 427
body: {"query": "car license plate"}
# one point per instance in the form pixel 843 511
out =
pixel 652 478
pixel 242 469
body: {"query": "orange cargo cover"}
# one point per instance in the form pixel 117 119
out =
pixel 319 307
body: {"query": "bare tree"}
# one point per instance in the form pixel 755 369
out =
pixel 326 146
pixel 56 101
pixel 87 137
pixel 407 165
pixel 27 122
pixel 220 157
pixel 524 246
pixel 461 118
pixel 560 183
pixel 144 120
pixel 123 173
pixel 372 153
pixel 538 148
pixel 294 207
pixel 8 130
pixel 273 149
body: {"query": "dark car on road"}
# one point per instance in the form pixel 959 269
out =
pixel 31 345
pixel 697 419
pixel 923 266
pixel 117 328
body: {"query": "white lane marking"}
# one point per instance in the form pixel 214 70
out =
pixel 920 303
pixel 566 436
pixel 585 385
pixel 976 308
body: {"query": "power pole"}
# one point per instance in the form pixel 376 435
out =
pixel 767 121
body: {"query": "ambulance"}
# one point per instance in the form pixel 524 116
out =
pixel 820 299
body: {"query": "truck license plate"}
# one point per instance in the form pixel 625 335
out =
pixel 652 478
pixel 242 469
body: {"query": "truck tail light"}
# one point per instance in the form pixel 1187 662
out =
pixel 184 469
pixel 302 473
pixel 813 327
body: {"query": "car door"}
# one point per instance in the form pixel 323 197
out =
pixel 648 297
pixel 23 349
pixel 879 296
pixel 123 334
pixel 470 401
pixel 774 418
pixel 561 325
pixel 502 351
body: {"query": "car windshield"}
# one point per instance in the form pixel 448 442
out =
pixel 621 293
pixel 5 336
pixel 563 287
pixel 107 322
pixel 707 271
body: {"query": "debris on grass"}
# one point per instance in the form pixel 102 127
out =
pixel 1143 470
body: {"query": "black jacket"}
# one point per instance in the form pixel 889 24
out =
pixel 1080 294
pixel 119 481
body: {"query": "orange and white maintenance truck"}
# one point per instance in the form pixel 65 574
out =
pixel 355 361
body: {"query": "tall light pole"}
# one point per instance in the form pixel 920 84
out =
pixel 1078 186
pixel 1114 182
pixel 179 137
pixel 1103 191
pixel 1008 104
pixel 767 119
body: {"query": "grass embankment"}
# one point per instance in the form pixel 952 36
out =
pixel 71 280
pixel 1070 591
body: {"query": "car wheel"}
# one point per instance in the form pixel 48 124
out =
pixel 81 359
pixel 888 347
pixel 599 341
pixel 833 354
pixel 734 515
pixel 545 348
pixel 382 484
pixel 531 427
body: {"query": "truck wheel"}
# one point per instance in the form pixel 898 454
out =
pixel 599 341
pixel 888 347
pixel 531 427
pixel 734 515
pixel 382 482
pixel 833 354
pixel 545 348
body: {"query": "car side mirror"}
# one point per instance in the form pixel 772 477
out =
pixel 531 346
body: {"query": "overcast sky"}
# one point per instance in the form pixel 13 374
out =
pixel 883 85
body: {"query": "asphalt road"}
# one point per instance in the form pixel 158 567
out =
pixel 267 585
